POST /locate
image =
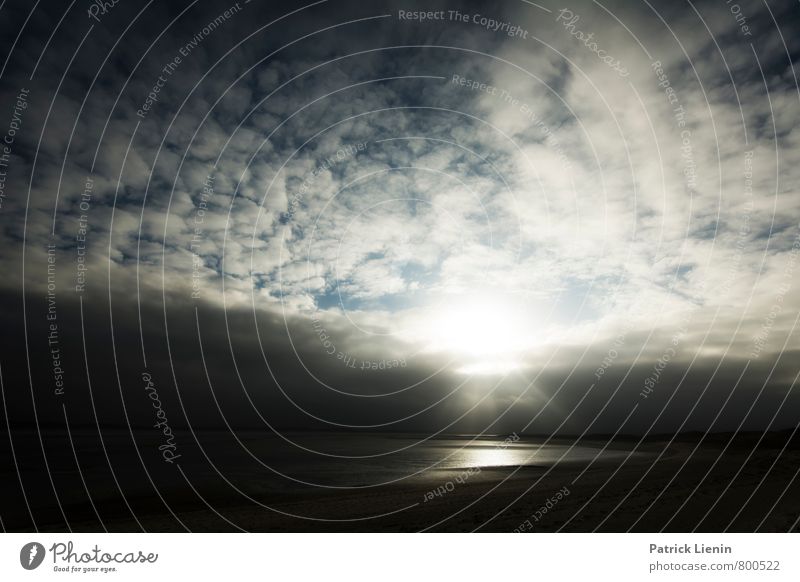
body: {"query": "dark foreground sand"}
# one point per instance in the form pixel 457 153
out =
pixel 678 487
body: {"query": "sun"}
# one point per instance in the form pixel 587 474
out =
pixel 486 334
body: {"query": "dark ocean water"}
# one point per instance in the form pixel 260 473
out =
pixel 265 462
pixel 369 459
pixel 117 469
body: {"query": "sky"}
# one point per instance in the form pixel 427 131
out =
pixel 484 217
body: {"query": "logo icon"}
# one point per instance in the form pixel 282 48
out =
pixel 31 555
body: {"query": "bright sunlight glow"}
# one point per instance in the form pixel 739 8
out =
pixel 485 333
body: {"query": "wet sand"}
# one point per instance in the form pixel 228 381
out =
pixel 678 487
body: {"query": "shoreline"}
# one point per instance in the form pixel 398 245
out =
pixel 677 493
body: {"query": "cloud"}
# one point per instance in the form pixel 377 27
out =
pixel 348 178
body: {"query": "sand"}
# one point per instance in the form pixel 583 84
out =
pixel 678 487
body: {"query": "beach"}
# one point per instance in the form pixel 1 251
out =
pixel 490 484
